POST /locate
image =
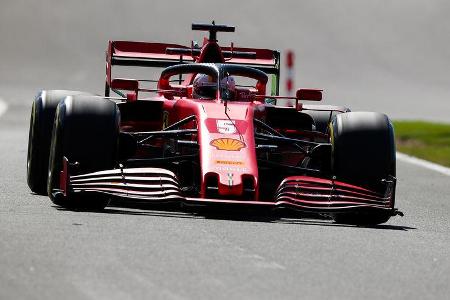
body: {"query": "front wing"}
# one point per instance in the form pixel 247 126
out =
pixel 304 193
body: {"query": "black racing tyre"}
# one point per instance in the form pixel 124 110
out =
pixel 86 131
pixel 41 125
pixel 363 153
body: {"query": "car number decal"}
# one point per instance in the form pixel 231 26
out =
pixel 226 126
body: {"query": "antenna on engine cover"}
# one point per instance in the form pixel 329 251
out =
pixel 213 29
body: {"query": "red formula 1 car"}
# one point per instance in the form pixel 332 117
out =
pixel 208 133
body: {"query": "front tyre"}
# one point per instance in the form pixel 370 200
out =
pixel 363 154
pixel 86 131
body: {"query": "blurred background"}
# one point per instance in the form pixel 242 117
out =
pixel 386 56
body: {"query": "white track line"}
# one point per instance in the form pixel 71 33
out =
pixel 3 107
pixel 423 163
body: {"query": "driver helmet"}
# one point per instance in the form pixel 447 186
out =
pixel 204 87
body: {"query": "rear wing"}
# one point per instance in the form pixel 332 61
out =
pixel 162 55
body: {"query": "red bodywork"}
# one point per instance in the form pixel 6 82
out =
pixel 227 154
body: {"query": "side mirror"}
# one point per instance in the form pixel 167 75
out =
pixel 125 84
pixel 309 94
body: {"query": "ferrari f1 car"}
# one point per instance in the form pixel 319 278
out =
pixel 209 132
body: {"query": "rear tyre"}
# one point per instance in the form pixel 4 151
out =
pixel 41 124
pixel 86 131
pixel 363 153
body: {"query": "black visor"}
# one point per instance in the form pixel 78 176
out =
pixel 206 92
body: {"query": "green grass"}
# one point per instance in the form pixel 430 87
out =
pixel 429 141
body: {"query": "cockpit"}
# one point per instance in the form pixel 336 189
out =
pixel 214 81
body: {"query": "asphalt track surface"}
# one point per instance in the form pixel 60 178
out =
pixel 389 57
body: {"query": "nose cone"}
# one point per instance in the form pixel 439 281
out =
pixel 227 152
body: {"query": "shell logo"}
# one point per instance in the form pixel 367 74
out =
pixel 227 144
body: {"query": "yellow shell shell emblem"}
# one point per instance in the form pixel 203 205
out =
pixel 227 144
